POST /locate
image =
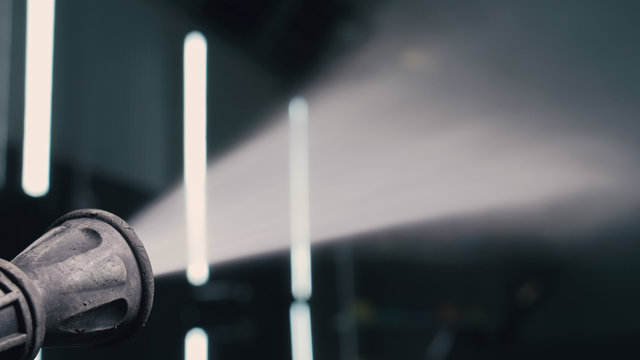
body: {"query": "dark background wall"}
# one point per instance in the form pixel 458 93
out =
pixel 500 287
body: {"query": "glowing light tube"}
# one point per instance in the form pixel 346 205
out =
pixel 38 87
pixel 196 345
pixel 301 345
pixel 195 155
pixel 299 199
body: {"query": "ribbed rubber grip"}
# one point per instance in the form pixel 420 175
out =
pixel 21 333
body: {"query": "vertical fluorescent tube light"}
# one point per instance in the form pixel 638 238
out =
pixel 301 346
pixel 195 155
pixel 37 98
pixel 299 198
pixel 196 345
pixel 299 313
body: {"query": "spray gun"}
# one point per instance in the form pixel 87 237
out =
pixel 86 282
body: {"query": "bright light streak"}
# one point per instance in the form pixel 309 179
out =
pixel 39 356
pixel 195 155
pixel 300 315
pixel 38 87
pixel 301 344
pixel 299 198
pixel 196 345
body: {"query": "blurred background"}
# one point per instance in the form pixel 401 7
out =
pixel 341 179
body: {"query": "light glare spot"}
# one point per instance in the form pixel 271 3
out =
pixel 198 273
